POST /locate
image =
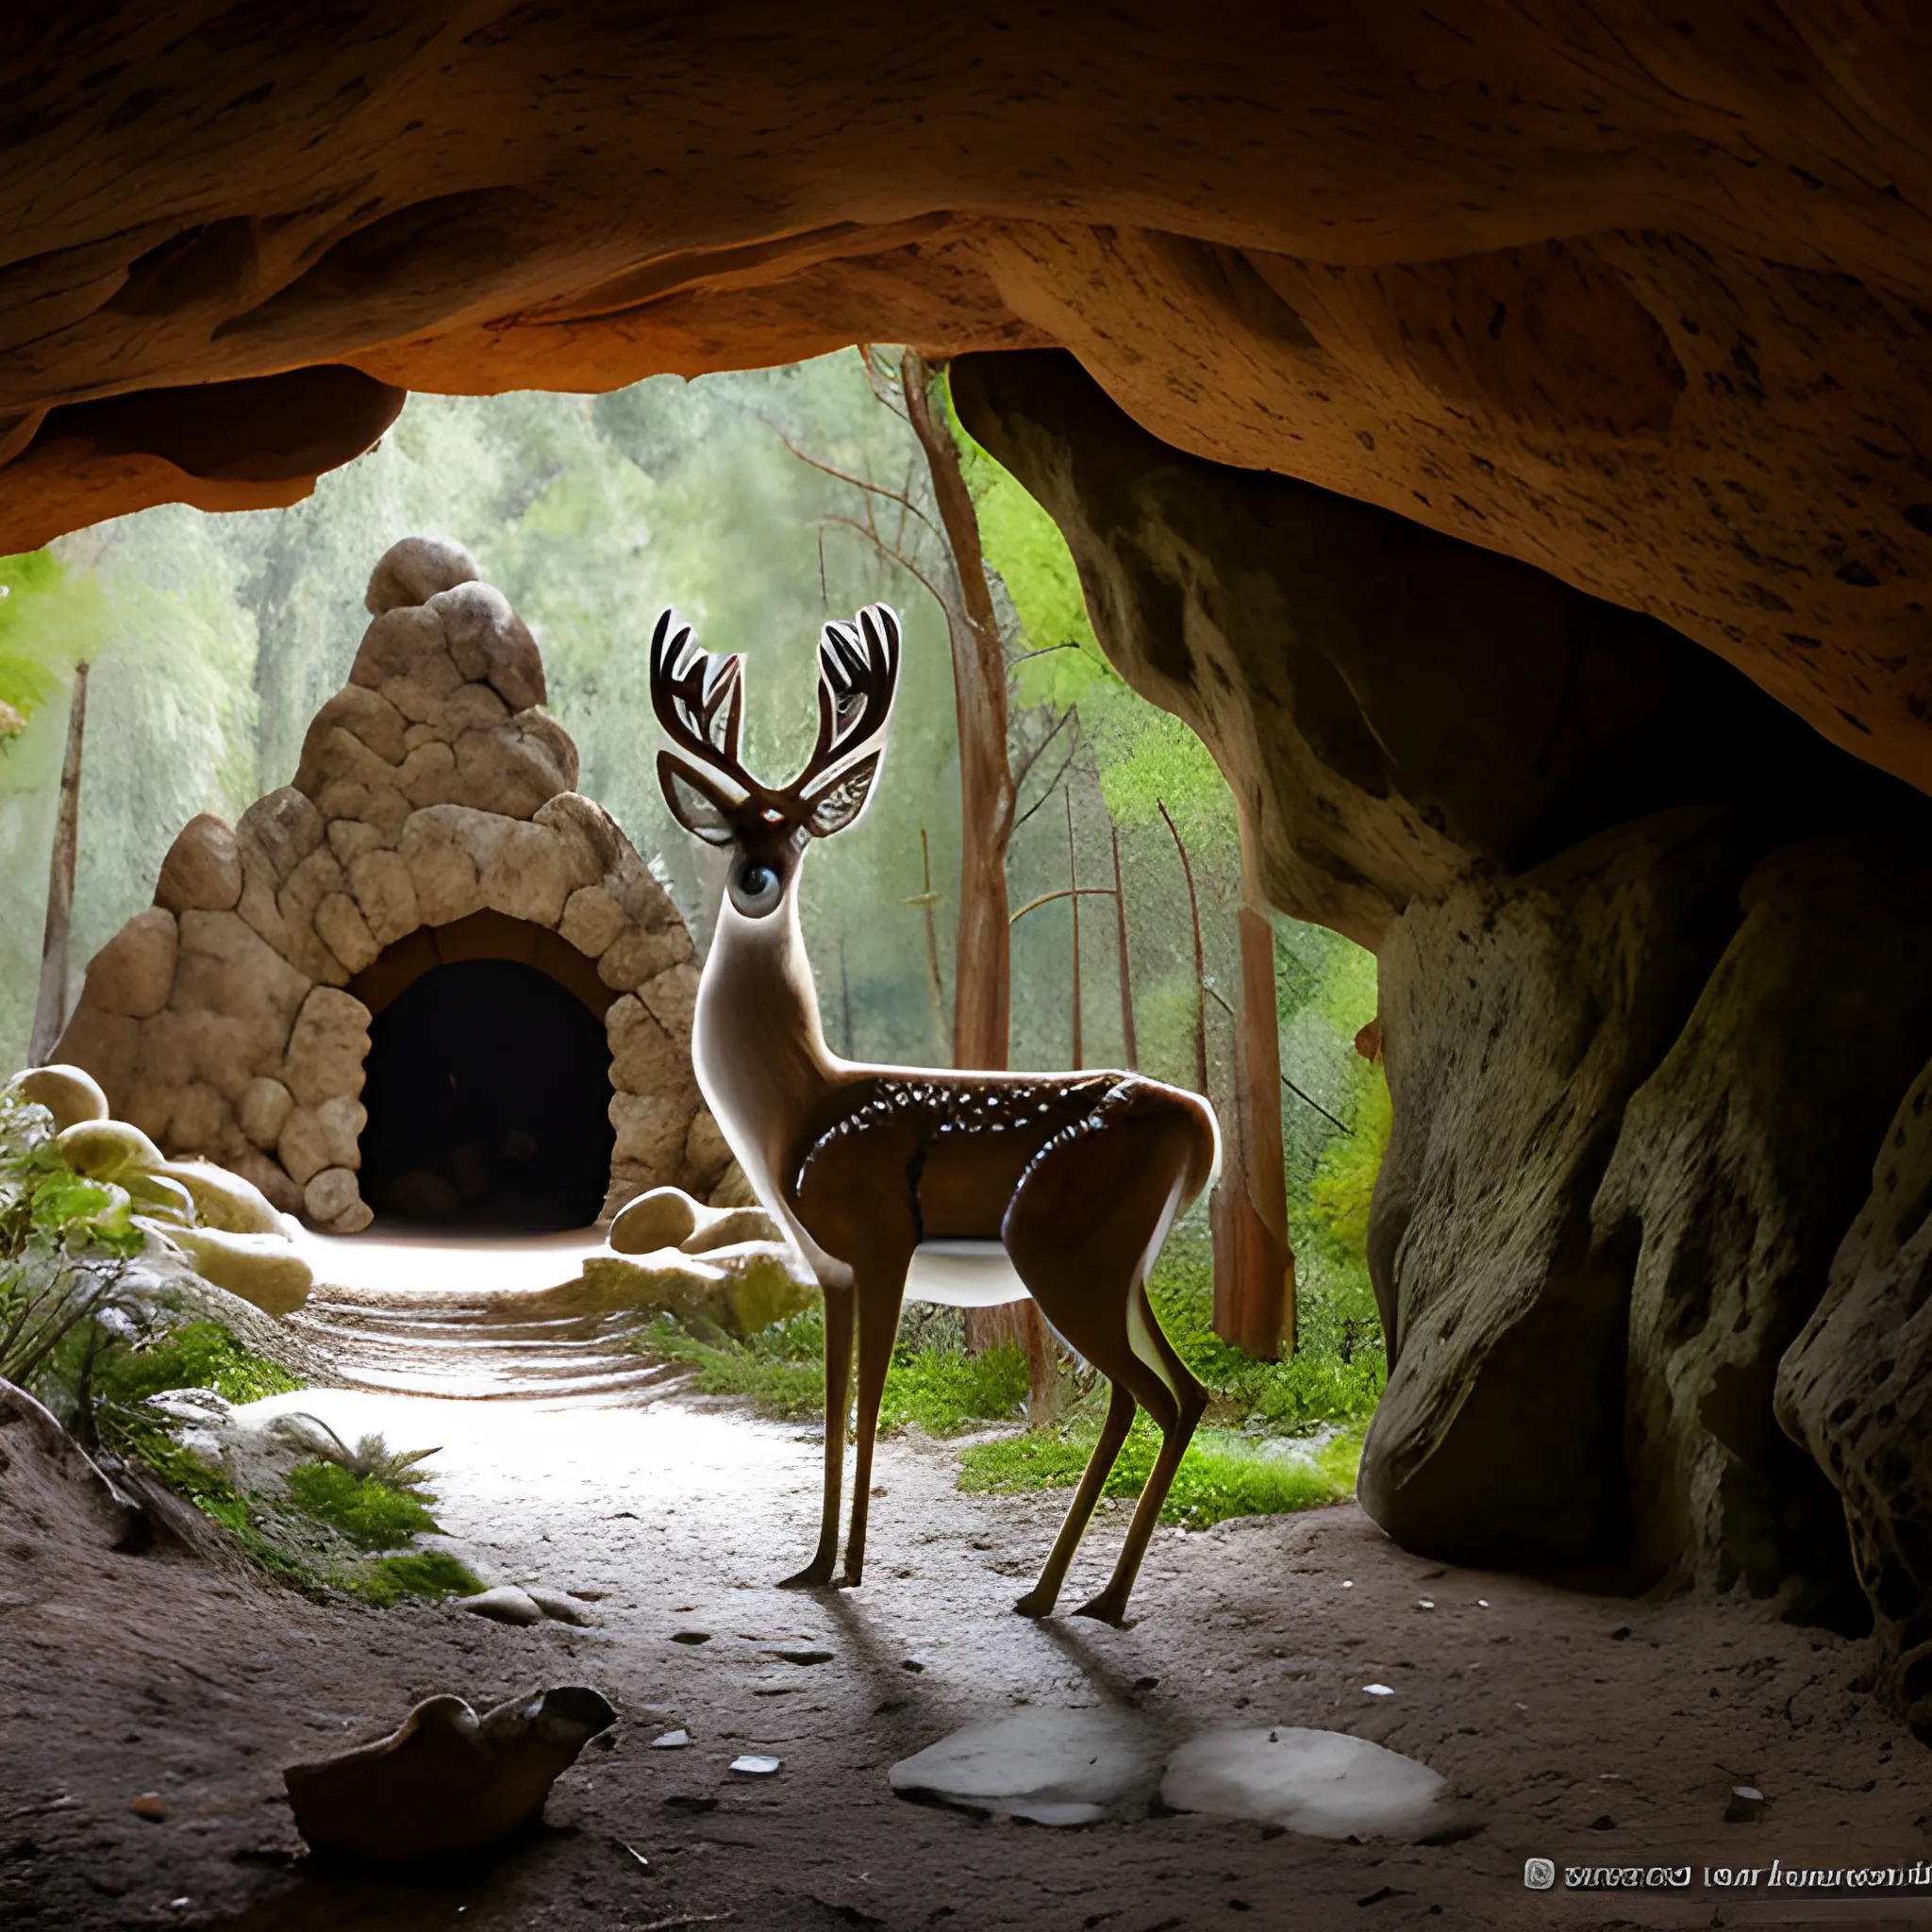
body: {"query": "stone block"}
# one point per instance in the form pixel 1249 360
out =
pixel 469 708
pixel 396 643
pixel 349 837
pixel 442 871
pixel 225 966
pixel 284 827
pixel 339 925
pixel 428 776
pixel 386 893
pixel 266 1105
pixel 651 1132
pixel 670 998
pixel 639 955
pixel 327 1047
pixel 413 569
pixel 573 812
pixel 271 1177
pixel 315 1139
pixel 202 872
pixel 488 640
pixel 329 1195
pixel 108 1045
pixel 134 972
pixel 591 919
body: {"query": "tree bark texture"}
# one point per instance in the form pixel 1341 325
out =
pixel 50 1008
pixel 1253 1268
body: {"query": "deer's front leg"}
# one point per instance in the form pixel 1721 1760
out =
pixel 880 1291
pixel 839 1305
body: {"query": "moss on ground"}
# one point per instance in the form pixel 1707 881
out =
pixel 199 1355
pixel 371 1514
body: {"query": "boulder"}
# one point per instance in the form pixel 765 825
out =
pixel 330 1195
pixel 1519 1016
pixel 327 1047
pixel 489 642
pixel 414 570
pixel 70 1094
pixel 1740 1165
pixel 1855 1391
pixel 134 972
pixel 202 872
pixel 316 1138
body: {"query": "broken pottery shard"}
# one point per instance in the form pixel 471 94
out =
pixel 1054 1767
pixel 1325 1784
pixel 505 1604
pixel 446 1781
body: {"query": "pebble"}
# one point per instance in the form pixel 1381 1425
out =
pixel 671 1741
pixel 753 1764
pixel 505 1604
pixel 561 1605
pixel 152 1807
pixel 690 1637
pixel 1379 1690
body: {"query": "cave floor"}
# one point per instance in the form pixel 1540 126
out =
pixel 1581 1728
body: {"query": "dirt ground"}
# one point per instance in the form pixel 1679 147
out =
pixel 1577 1728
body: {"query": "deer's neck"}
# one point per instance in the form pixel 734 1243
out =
pixel 757 1045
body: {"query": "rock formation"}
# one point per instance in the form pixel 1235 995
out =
pixel 1643 302
pixel 1654 969
pixel 433 804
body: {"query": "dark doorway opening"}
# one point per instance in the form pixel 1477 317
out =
pixel 488 1086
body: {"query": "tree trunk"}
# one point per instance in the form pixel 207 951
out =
pixel 982 975
pixel 1131 1046
pixel 50 1010
pixel 1073 900
pixel 1253 1268
pixel 982 979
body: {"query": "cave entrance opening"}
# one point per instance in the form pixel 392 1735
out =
pixel 487 1080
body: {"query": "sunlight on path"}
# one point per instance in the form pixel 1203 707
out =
pixel 393 1262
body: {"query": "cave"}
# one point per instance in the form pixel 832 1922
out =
pixel 488 1092
pixel 1500 433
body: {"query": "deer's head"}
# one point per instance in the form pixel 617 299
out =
pixel 699 700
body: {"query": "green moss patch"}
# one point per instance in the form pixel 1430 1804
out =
pixel 430 1573
pixel 200 1355
pixel 371 1514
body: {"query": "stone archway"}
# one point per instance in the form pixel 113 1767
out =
pixel 433 797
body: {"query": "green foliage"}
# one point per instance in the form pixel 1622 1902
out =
pixel 1344 1181
pixel 198 1354
pixel 373 1514
pixel 50 618
pixel 371 1456
pixel 781 1372
pixel 82 1213
pixel 430 1574
pixel 1221 1474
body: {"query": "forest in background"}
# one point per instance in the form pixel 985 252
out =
pixel 758 504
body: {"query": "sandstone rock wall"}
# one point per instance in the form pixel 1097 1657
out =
pixel 1655 972
pixel 1637 295
pixel 432 787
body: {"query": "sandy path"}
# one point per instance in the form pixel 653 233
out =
pixel 1547 1711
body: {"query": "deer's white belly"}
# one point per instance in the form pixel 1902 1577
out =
pixel 963 1274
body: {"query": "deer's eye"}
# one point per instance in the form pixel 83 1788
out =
pixel 755 888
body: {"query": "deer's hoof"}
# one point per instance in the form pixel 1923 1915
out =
pixel 1036 1603
pixel 1104 1608
pixel 813 1576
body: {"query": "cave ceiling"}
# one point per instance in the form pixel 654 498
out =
pixel 1641 296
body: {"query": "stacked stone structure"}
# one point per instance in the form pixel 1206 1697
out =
pixel 432 788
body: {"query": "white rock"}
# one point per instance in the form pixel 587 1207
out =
pixel 1054 1767
pixel 671 1741
pixel 505 1604
pixel 1323 1784
pixel 754 1764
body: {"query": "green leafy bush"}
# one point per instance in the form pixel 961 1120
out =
pixel 369 1514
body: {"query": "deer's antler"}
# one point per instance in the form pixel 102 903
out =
pixel 699 700
pixel 858 673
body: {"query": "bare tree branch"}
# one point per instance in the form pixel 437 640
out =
pixel 892 556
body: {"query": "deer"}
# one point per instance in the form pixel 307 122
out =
pixel 972 1187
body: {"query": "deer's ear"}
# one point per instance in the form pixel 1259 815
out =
pixel 842 802
pixel 693 802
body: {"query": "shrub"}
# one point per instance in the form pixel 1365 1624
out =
pixel 369 1512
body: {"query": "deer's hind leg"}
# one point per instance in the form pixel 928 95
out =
pixel 1083 1230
